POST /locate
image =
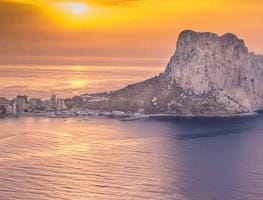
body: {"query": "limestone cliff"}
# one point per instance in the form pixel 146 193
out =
pixel 206 62
pixel 208 75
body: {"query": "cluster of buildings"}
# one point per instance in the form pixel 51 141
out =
pixel 22 104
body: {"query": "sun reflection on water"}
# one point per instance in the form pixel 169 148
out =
pixel 78 83
pixel 66 81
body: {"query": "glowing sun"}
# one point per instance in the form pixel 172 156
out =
pixel 73 7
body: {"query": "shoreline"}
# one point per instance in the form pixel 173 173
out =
pixel 206 116
pixel 122 116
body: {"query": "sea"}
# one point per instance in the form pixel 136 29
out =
pixel 161 158
pixel 42 81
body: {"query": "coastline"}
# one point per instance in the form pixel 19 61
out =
pixel 122 116
pixel 206 115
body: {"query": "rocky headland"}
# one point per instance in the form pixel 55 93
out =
pixel 207 75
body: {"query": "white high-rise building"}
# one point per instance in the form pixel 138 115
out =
pixel 14 107
pixel 53 102
pixel 61 104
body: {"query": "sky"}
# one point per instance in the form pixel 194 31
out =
pixel 117 32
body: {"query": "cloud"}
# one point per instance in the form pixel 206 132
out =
pixel 21 14
pixel 18 15
pixel 113 2
pixel 98 2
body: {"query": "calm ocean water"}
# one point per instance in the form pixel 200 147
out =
pixel 156 159
pixel 67 81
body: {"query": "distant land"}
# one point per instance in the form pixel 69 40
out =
pixel 207 75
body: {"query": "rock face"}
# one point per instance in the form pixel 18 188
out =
pixel 208 75
pixel 206 62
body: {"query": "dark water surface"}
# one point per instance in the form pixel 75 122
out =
pixel 104 159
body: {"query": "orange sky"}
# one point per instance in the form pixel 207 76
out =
pixel 117 32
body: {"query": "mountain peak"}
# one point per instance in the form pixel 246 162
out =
pixel 190 34
pixel 188 40
pixel 206 62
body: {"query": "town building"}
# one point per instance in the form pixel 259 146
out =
pixel 14 107
pixel 45 105
pixel 2 110
pixel 21 104
pixel 9 109
pixel 61 104
pixel 4 102
pixel 21 99
pixel 35 103
pixel 53 102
